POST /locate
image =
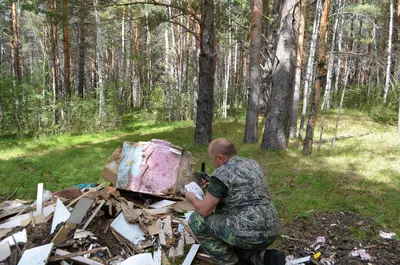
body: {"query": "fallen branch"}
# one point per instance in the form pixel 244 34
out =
pixel 345 137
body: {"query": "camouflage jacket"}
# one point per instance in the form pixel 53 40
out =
pixel 247 204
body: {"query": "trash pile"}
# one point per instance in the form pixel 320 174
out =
pixel 141 219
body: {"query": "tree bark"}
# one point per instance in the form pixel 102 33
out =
pixel 276 132
pixel 301 19
pixel 67 61
pixel 15 37
pixel 81 67
pixel 251 126
pixel 170 105
pixel 99 55
pixel 389 50
pixel 312 118
pixel 228 65
pixel 207 64
pixel 310 65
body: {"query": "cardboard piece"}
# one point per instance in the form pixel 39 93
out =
pixel 79 260
pixel 63 233
pixel 39 219
pixel 80 210
pixel 61 214
pixel 153 229
pixel 80 233
pixel 191 255
pixel 5 250
pixel 36 256
pixel 110 171
pixel 131 232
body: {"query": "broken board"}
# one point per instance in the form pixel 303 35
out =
pixel 131 232
pixel 79 260
pixel 80 210
pixel 191 255
pixel 36 256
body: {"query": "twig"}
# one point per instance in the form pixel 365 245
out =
pixel 12 194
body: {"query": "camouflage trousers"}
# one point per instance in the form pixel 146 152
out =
pixel 219 241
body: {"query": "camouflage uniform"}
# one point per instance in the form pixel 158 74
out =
pixel 245 217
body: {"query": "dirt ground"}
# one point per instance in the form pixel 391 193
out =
pixel 343 232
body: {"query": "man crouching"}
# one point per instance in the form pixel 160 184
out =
pixel 237 213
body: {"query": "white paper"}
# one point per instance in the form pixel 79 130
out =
pixel 386 235
pixel 20 237
pixel 131 232
pixel 193 187
pixel 36 256
pixel 161 204
pixel 140 259
pixel 61 214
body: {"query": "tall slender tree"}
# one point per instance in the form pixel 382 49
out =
pixel 312 118
pixel 251 127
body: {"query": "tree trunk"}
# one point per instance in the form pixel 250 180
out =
pixel 301 19
pixel 207 64
pixel 310 65
pixel 312 118
pixel 276 132
pixel 228 64
pixel 195 61
pixel 15 36
pixel 81 67
pixel 53 44
pixel 339 61
pixel 99 55
pixel 170 105
pixel 331 59
pixel 251 127
pixel 67 61
pixel 389 58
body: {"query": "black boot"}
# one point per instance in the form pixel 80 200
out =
pixel 274 257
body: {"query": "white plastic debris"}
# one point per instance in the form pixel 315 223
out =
pixel 386 235
pixel 318 243
pixel 362 253
pixel 193 187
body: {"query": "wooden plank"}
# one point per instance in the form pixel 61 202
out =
pixel 63 233
pixel 180 247
pixel 167 226
pixel 79 260
pixel 191 255
pixel 161 235
pixel 80 211
pixel 164 259
pixel 36 256
pixel 93 214
pixel 75 254
pixel 39 199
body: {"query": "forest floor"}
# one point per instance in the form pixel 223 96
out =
pixel 357 180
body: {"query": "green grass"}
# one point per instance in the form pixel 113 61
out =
pixel 360 174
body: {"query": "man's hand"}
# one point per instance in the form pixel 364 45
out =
pixel 204 183
pixel 190 196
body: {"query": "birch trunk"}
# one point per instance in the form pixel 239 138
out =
pixel 276 132
pixel 228 64
pixel 312 118
pixel 339 61
pixel 251 127
pixel 170 105
pixel 297 75
pixel 310 65
pixel 327 95
pixel 389 58
pixel 99 55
